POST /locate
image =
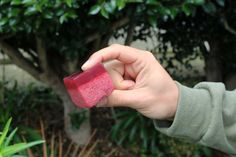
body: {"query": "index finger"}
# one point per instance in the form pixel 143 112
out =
pixel 124 54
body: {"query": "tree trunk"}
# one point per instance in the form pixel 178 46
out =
pixel 213 64
pixel 213 69
pixel 79 136
pixel 230 81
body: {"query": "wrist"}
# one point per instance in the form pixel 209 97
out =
pixel 172 100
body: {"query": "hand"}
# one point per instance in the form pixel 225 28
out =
pixel 140 81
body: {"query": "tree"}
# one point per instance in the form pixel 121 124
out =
pixel 52 38
pixel 208 32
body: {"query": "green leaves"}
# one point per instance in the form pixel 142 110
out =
pixel 32 15
pixel 209 7
pixel 69 3
pixel 198 2
pixel 15 148
pixel 4 133
pixel 95 9
pixel 120 4
pixel 221 2
pixel 132 128
pixel 28 2
pixel 3 21
pixel 16 2
pixel 105 9
pixel 7 150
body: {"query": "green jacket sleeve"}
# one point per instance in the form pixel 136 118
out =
pixel 206 114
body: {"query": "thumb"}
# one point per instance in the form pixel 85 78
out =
pixel 119 81
pixel 117 98
pixel 125 84
pixel 125 98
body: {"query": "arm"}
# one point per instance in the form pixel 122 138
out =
pixel 205 114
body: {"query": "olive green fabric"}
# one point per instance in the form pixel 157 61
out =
pixel 206 114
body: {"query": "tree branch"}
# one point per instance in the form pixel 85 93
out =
pixel 48 75
pixel 130 33
pixel 33 56
pixel 3 37
pixel 114 26
pixel 96 44
pixel 42 54
pixel 105 41
pixel 228 27
pixel 19 59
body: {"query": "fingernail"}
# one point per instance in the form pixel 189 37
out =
pixel 85 65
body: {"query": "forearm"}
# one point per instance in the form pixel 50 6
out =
pixel 205 114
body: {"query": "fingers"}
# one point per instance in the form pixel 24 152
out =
pixel 122 98
pixel 116 71
pixel 119 81
pixel 125 54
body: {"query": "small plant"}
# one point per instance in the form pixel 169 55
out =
pixel 137 132
pixel 8 150
pixel 78 117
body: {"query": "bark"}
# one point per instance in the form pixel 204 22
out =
pixel 230 81
pixel 213 66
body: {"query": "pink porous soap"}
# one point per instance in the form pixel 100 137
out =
pixel 86 89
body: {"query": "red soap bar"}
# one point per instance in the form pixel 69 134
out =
pixel 86 89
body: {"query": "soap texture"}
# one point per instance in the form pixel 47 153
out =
pixel 86 89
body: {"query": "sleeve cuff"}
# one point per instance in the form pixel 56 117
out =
pixel 192 116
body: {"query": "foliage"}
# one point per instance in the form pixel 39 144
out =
pixel 7 150
pixel 138 133
pixel 22 103
pixel 66 26
pixel 77 118
pixel 209 33
pixel 17 101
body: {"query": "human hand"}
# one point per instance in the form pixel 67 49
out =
pixel 140 81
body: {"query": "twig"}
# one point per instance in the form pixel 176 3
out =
pixel 43 137
pixel 84 148
pixel 91 149
pixel 227 26
pixel 52 145
pixel 60 145
pixel 112 152
pixel 68 149
pixel 76 149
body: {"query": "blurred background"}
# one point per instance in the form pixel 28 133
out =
pixel 42 41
